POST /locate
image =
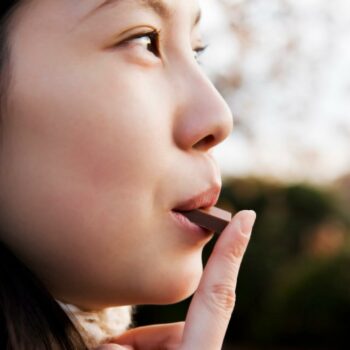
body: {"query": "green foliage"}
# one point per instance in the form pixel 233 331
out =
pixel 309 304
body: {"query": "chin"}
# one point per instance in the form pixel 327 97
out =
pixel 176 289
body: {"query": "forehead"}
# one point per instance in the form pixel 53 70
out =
pixel 161 6
pixel 164 8
pixel 68 16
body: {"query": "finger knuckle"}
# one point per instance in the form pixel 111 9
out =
pixel 233 253
pixel 175 337
pixel 222 298
pixel 240 246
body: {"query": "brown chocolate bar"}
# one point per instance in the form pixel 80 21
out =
pixel 214 218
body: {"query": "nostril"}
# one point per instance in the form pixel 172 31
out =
pixel 205 143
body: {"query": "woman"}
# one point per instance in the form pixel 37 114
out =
pixel 107 127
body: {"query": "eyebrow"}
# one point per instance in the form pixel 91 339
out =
pixel 157 6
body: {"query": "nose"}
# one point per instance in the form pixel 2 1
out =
pixel 203 118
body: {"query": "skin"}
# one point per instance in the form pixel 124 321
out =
pixel 101 138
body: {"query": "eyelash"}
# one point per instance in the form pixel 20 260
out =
pixel 154 42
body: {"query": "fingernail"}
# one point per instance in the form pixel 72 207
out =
pixel 246 222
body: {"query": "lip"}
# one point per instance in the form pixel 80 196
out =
pixel 196 232
pixel 203 200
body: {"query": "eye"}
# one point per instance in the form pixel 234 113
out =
pixel 198 52
pixel 149 40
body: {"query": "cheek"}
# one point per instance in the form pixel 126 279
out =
pixel 104 128
pixel 81 166
pixel 100 119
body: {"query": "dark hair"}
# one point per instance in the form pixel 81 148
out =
pixel 30 317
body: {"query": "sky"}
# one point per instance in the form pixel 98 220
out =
pixel 292 61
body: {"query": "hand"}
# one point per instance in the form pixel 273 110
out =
pixel 212 305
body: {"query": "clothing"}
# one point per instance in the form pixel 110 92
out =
pixel 100 326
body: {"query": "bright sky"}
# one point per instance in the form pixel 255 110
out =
pixel 292 104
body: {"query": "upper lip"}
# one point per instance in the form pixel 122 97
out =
pixel 205 199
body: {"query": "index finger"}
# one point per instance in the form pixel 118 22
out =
pixel 212 305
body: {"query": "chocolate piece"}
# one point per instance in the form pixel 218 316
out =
pixel 214 218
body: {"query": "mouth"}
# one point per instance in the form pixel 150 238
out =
pixel 204 200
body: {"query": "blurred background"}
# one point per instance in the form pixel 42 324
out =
pixel 283 66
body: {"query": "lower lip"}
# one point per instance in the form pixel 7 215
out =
pixel 189 226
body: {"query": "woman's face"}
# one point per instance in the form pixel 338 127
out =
pixel 109 126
